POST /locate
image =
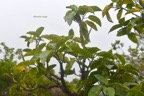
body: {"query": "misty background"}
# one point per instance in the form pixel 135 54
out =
pixel 20 16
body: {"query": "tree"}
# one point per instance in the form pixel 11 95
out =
pixel 7 61
pixel 100 72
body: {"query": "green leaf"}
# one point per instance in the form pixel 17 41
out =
pixel 121 58
pixel 26 63
pixel 69 72
pixel 41 67
pixel 134 92
pixel 51 67
pixel 109 91
pixel 41 46
pixel 52 37
pixel 85 9
pixel 84 31
pixel 30 32
pixel 131 69
pixel 73 7
pixel 32 52
pixel 122 32
pixel 77 18
pixel 44 55
pixel 106 9
pixel 140 28
pixel 127 2
pixel 91 24
pixel 115 27
pixel 109 17
pixel 95 8
pixel 12 90
pixel 39 31
pixel 77 39
pixel 121 86
pixel 70 64
pixel 95 19
pixel 69 17
pixel 101 79
pixel 96 64
pixel 27 50
pixel 119 14
pixel 133 10
pixel 133 38
pixel 93 50
pixel 138 87
pixel 71 33
pixel 95 91
pixel 104 54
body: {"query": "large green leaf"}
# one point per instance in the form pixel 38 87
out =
pixel 134 92
pixel 115 27
pixel 120 86
pixel 26 63
pixel 96 64
pixel 122 32
pixel 133 38
pixel 30 32
pixel 44 55
pixel 109 91
pixel 69 72
pixel 53 37
pixel 70 63
pixel 95 19
pixel 93 50
pixel 35 51
pixel 85 9
pixel 71 33
pixel 133 10
pixel 119 14
pixel 51 67
pixel 39 31
pixel 121 58
pixel 106 9
pixel 36 33
pixel 138 87
pixel 102 79
pixel 84 31
pixel 106 55
pixel 91 24
pixel 109 17
pixel 12 90
pixel 131 69
pixel 95 8
pixel 95 91
pixel 127 1
pixel 73 7
pixel 69 17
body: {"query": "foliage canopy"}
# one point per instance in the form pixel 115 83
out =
pixel 107 73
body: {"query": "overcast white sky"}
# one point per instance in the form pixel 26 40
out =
pixel 16 18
